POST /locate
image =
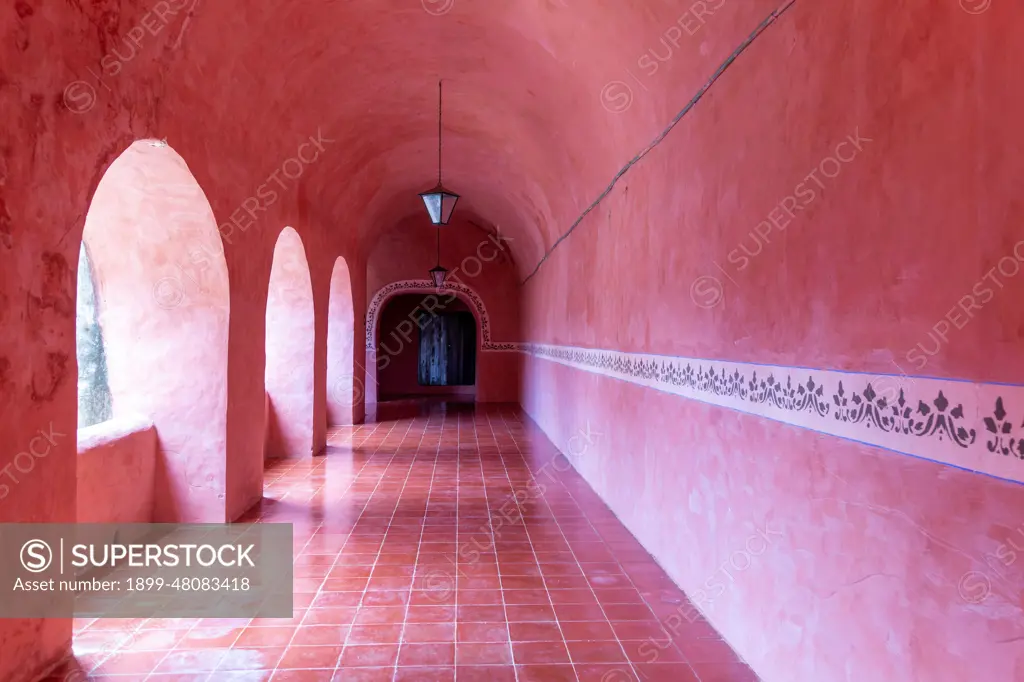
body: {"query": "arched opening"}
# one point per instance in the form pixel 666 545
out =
pixel 152 330
pixel 94 400
pixel 342 391
pixel 290 350
pixel 426 346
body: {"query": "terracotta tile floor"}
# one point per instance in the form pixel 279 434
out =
pixel 441 542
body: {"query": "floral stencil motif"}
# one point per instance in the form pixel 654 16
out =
pixel 416 286
pixel 939 419
pixel 871 410
pixel 1001 442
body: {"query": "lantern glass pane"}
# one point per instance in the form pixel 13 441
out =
pixel 433 203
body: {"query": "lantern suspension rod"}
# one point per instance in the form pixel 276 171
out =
pixel 439 132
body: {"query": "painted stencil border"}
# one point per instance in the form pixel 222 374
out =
pixel 973 426
pixel 424 286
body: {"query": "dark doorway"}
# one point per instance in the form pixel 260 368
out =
pixel 411 326
pixel 447 349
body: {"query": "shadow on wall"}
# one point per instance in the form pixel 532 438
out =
pixel 266 424
pixel 276 434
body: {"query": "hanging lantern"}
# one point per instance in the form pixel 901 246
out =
pixel 437 273
pixel 439 201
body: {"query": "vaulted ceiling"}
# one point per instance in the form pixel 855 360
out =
pixel 527 142
pixel 533 133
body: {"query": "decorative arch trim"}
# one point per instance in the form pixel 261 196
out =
pixel 416 286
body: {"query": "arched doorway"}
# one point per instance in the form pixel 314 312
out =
pixel 290 342
pixel 426 346
pixel 489 374
pixel 152 323
pixel 342 390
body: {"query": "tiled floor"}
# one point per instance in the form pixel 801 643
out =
pixel 439 543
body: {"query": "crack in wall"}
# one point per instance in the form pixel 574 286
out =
pixel 771 19
pixel 859 581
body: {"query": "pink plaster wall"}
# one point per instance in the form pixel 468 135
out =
pixel 117 461
pixel 866 580
pixel 863 573
pixel 290 350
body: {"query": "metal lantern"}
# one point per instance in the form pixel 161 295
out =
pixel 439 201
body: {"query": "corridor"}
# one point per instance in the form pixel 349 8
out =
pixel 443 542
pixel 600 341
